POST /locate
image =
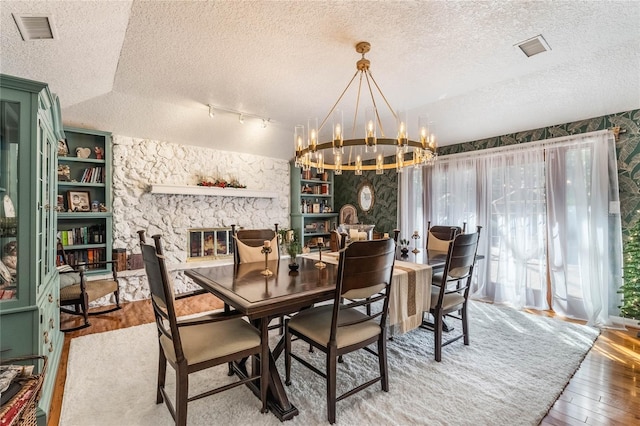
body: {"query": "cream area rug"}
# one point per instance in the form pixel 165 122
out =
pixel 512 372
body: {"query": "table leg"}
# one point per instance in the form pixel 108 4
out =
pixel 277 399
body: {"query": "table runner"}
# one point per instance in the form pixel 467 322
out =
pixel 410 292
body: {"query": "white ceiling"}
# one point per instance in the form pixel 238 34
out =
pixel 148 69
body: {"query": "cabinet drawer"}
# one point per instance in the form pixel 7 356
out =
pixel 50 324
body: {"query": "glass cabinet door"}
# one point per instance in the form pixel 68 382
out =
pixel 9 144
pixel 46 202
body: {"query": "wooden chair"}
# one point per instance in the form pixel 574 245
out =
pixel 450 292
pixel 198 343
pixel 439 236
pixel 247 248
pixel 249 242
pixel 76 291
pixel 365 270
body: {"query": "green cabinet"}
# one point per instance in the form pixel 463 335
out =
pixel 84 196
pixel 312 209
pixel 29 317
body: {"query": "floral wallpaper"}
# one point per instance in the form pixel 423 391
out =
pixel 384 212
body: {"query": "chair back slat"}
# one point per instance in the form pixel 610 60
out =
pixel 365 271
pixel 463 255
pixel 162 297
pixel 459 265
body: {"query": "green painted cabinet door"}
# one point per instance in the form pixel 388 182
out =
pixel 29 287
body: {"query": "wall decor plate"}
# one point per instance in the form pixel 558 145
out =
pixel 9 210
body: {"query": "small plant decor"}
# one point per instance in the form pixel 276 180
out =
pixel 293 250
pixel 289 242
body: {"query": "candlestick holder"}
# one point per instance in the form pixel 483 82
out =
pixel 320 264
pixel 415 237
pixel 266 251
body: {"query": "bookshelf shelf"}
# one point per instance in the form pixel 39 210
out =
pixel 87 235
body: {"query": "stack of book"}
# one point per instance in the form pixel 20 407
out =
pixel 93 175
pixel 82 235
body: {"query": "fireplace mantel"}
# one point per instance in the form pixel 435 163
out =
pixel 211 191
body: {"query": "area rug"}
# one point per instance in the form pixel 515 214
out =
pixel 512 372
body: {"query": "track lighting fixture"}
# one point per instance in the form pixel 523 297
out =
pixel 213 109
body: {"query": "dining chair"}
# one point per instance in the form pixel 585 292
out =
pixel 77 291
pixel 439 236
pixel 450 291
pixel 195 344
pixel 365 269
pixel 248 244
pixel 247 248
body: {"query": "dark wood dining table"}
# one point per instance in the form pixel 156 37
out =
pixel 262 298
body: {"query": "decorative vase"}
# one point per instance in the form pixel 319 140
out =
pixel 404 251
pixel 293 267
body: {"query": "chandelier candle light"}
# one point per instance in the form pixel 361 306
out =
pixel 330 155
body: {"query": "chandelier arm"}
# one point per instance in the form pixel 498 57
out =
pixel 382 94
pixel 338 101
pixel 355 115
pixel 373 100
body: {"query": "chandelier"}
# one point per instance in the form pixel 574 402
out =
pixel 370 147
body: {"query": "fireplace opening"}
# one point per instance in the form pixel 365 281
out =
pixel 209 243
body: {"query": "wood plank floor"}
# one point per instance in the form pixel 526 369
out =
pixel 605 389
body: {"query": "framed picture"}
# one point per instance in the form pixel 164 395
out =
pixel 79 201
pixel 348 215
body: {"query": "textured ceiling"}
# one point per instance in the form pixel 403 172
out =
pixel 148 69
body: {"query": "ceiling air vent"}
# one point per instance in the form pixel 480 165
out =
pixel 35 27
pixel 533 46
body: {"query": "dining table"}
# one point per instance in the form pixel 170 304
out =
pixel 248 289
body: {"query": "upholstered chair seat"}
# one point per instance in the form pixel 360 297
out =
pixel 231 336
pixel 95 290
pixel 315 323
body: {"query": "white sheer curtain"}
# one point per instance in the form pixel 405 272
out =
pixel 585 242
pixel 411 202
pixel 516 229
pixel 549 214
